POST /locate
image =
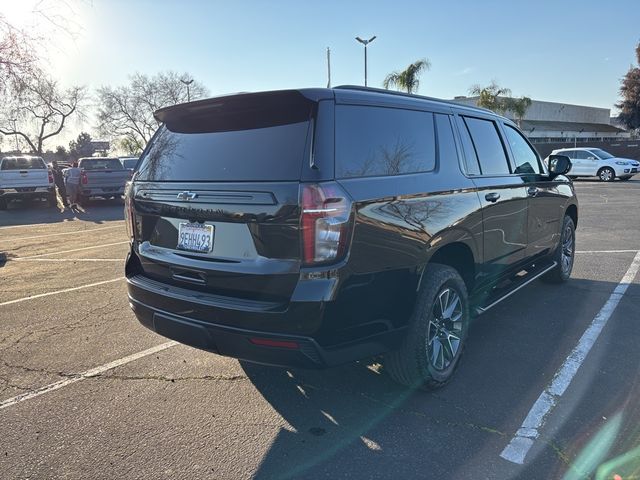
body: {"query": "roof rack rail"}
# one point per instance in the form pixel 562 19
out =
pixel 409 95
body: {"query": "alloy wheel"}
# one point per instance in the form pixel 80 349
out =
pixel 444 337
pixel 567 249
pixel 606 175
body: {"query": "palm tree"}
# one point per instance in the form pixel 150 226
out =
pixel 408 78
pixel 489 96
pixel 519 107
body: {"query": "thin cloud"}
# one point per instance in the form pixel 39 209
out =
pixel 464 71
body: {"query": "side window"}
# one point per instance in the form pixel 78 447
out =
pixel 525 157
pixel 471 159
pixel 488 146
pixel 447 151
pixel 569 153
pixel 373 141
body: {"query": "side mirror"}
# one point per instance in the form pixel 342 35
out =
pixel 559 165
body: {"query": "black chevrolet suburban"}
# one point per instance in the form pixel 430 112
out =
pixel 313 227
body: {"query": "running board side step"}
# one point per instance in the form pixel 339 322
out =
pixel 526 281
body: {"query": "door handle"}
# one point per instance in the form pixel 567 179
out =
pixel 532 191
pixel 492 197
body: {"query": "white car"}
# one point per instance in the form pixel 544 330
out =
pixel 595 162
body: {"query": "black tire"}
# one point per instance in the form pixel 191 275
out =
pixel 415 364
pixel 606 174
pixel 564 253
pixel 3 204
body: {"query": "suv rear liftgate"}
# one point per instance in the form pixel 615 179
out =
pixel 223 228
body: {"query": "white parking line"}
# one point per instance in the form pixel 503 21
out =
pixel 73 289
pixel 66 259
pixel 84 375
pixel 15 239
pixel 77 249
pixel 606 251
pixel 528 432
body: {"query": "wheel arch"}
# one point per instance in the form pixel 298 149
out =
pixel 459 256
pixel 572 211
pixel 615 174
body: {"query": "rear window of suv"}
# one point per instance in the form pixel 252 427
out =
pixel 248 137
pixel 260 154
pixel 376 141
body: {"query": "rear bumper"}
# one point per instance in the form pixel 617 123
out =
pixel 223 329
pixel 25 192
pixel 101 191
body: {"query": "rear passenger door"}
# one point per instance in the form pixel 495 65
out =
pixel 545 207
pixel 582 165
pixel 502 194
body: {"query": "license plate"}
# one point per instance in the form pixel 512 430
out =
pixel 195 237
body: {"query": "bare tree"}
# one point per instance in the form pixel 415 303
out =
pixel 126 112
pixel 17 55
pixel 38 109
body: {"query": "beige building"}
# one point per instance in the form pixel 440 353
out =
pixel 562 122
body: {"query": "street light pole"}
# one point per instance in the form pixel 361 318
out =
pixel 365 43
pixel 187 83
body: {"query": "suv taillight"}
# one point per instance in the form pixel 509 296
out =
pixel 50 177
pixel 326 222
pixel 129 214
pixel 83 178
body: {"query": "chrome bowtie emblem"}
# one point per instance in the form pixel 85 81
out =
pixel 188 196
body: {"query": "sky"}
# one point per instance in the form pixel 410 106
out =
pixel 563 51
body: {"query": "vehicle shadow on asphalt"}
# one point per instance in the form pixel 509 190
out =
pixel 36 212
pixel 355 421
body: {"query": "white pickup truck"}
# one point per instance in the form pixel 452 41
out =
pixel 102 177
pixel 25 177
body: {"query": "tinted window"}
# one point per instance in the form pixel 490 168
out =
pixel 383 141
pixel 601 153
pixel 268 154
pixel 446 144
pixel 101 164
pixel 23 163
pixel 129 162
pixel 471 159
pixel 488 146
pixel 525 158
pixel 567 153
pixel 583 154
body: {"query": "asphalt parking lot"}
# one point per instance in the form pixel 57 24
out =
pixel 86 392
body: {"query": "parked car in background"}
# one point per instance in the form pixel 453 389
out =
pixel 595 162
pixel 61 165
pixel 25 177
pixel 102 177
pixel 315 227
pixel 129 162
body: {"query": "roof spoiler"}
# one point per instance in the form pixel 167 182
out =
pixel 238 112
